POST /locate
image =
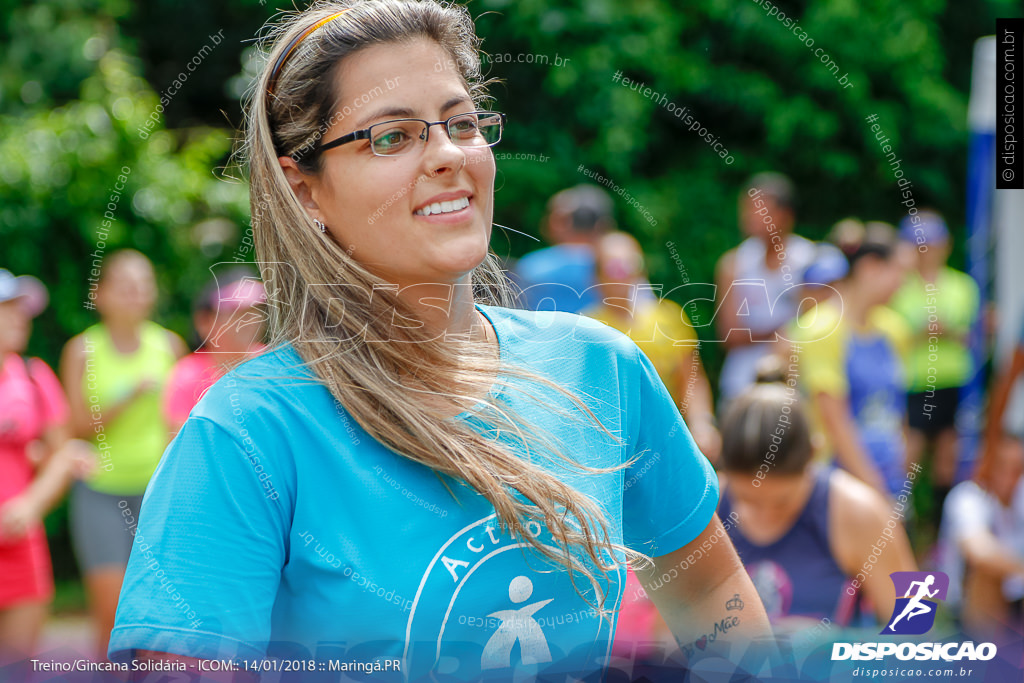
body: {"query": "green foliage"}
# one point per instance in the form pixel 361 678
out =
pixel 82 176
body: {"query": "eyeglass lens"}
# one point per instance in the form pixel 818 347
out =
pixel 475 129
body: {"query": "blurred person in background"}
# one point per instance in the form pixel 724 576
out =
pixel 850 360
pixel 229 322
pixel 981 543
pixel 660 328
pixel 939 304
pixel 561 277
pixel 757 282
pixel 828 267
pixel 36 462
pixel 804 531
pixel 114 373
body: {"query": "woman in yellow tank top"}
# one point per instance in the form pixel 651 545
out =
pixel 113 373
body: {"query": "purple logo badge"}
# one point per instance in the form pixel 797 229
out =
pixel 917 596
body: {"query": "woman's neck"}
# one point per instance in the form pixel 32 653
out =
pixel 447 309
pixel 855 306
pixel 125 334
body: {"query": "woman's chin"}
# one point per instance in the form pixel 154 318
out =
pixel 462 259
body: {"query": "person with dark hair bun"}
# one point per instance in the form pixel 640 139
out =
pixel 804 532
pixel 850 358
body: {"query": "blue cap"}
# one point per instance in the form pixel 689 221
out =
pixel 929 228
pixel 829 266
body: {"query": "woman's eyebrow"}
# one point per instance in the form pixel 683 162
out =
pixel 457 100
pixel 391 112
pixel 406 112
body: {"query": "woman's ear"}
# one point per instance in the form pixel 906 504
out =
pixel 301 183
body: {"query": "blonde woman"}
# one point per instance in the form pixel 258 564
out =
pixel 414 476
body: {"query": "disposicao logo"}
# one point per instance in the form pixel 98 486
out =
pixel 914 613
pixel 917 597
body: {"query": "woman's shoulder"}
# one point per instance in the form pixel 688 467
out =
pixel 821 322
pixel 854 504
pixel 539 333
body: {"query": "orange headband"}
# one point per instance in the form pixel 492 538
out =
pixel 294 44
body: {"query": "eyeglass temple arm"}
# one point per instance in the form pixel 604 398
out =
pixel 345 139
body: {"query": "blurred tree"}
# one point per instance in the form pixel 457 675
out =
pixel 82 175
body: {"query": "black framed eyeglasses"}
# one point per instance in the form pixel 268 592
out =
pixel 401 136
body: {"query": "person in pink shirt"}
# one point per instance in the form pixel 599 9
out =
pixel 36 462
pixel 229 321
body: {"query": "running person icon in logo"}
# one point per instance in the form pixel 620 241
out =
pixel 517 625
pixel 915 607
pixel 917 601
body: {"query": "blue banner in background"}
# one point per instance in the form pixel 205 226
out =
pixel 980 188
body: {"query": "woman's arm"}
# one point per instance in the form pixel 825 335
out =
pixel 697 404
pixel 53 474
pixel 845 441
pixel 696 588
pixel 997 406
pixel 178 346
pixel 72 372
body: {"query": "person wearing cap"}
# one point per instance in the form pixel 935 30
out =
pixel 850 364
pixel 229 323
pixel 561 277
pixel 829 267
pixel 114 373
pixel 938 304
pixel 36 462
pixel 818 285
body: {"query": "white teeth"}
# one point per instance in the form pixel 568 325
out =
pixel 444 207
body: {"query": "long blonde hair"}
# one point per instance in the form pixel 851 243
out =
pixel 385 385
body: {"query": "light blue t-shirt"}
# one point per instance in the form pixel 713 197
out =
pixel 276 526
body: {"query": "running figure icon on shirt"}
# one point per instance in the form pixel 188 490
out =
pixel 517 625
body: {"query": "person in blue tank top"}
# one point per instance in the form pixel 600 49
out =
pixel 815 540
pixel 414 478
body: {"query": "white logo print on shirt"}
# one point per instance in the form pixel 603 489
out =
pixel 517 625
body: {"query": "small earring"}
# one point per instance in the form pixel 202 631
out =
pixel 320 224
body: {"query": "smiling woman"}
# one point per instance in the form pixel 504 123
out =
pixel 397 367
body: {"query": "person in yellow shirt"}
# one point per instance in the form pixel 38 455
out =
pixel 660 328
pixel 850 350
